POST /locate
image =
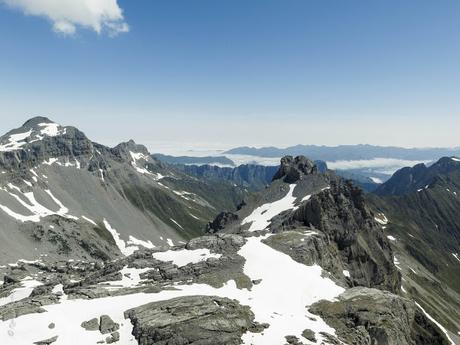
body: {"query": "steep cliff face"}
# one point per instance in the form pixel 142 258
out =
pixel 421 207
pixel 341 214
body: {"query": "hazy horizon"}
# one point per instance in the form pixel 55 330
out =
pixel 221 75
pixel 182 148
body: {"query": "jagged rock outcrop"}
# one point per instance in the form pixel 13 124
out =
pixel 364 316
pixel 292 169
pixel 221 221
pixel 192 320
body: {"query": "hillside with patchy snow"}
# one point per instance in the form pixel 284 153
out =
pixel 304 263
pixel 64 196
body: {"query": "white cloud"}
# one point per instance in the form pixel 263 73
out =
pixel 382 165
pixel 67 15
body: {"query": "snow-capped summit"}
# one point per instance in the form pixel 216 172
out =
pixel 31 131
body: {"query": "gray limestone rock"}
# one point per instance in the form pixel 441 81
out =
pixel 107 325
pixel 192 320
pixel 91 325
pixel 364 316
pixel 47 341
pixel 113 338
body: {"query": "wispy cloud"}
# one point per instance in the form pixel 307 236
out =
pixel 67 16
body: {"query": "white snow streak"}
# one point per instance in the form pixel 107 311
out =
pixel 436 323
pixel 180 226
pixel 124 249
pixel 37 210
pixel 89 220
pixel 261 216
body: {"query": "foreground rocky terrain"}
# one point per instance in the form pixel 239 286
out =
pixel 306 261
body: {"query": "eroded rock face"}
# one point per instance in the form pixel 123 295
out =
pixel 192 320
pixel 341 214
pixel 364 316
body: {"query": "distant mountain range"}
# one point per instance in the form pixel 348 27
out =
pixel 212 160
pixel 367 164
pixel 348 152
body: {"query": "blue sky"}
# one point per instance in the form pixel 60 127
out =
pixel 210 73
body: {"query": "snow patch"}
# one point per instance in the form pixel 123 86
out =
pixel 184 257
pixel 124 249
pixel 136 157
pixel 51 129
pixel 381 219
pixel 27 286
pixel 306 198
pixel 261 216
pixel 136 242
pixel 376 180
pixel 130 278
pixel 15 141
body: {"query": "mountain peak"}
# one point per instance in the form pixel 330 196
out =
pixel 292 169
pixel 132 146
pixel 35 121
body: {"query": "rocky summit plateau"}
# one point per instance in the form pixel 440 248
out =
pixel 110 245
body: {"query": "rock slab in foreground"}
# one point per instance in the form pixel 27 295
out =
pixel 192 320
pixel 364 316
